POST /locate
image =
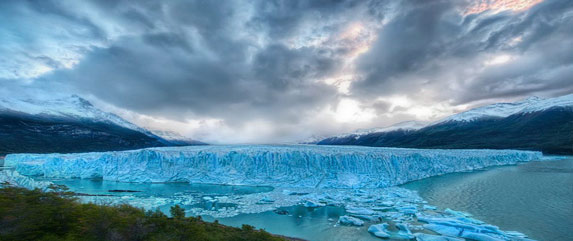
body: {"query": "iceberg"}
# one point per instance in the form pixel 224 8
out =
pixel 379 230
pixel 404 232
pixel 351 221
pixel 266 200
pixel 275 165
pixel 459 227
pixel 312 204
pixel 359 210
pixel 430 207
pixel 430 237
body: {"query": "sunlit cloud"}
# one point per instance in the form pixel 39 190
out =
pixel 357 37
pixel 499 59
pixel 515 41
pixel 341 82
pixel 480 6
pixel 349 110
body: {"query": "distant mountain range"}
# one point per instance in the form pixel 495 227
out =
pixel 68 124
pixel 531 124
pixel 176 139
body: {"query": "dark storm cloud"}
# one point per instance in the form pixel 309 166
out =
pixel 284 18
pixel 196 64
pixel 409 53
pixel 246 61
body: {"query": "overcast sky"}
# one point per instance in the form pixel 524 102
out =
pixel 281 71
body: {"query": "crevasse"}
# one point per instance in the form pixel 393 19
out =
pixel 277 165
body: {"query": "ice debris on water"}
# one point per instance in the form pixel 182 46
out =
pixel 351 221
pixel 430 237
pixel 430 207
pixel 266 200
pixel 312 204
pixel 456 227
pixel 403 231
pixel 379 230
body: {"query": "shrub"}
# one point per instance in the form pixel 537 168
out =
pixel 36 215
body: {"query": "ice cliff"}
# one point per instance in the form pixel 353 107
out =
pixel 288 165
pixel 13 178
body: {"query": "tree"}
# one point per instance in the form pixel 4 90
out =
pixel 177 212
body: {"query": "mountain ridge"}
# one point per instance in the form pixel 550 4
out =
pixel 68 124
pixel 533 124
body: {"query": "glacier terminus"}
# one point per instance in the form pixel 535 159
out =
pixel 288 165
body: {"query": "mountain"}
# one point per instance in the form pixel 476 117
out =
pixel 177 139
pixel 66 124
pixel 532 124
pixel 401 126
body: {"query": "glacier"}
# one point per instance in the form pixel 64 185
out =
pixel 13 178
pixel 274 165
pixel 360 179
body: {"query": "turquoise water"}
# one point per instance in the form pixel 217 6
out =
pixel 99 187
pixel 534 198
pixel 301 222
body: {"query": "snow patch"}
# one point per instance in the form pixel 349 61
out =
pixel 500 110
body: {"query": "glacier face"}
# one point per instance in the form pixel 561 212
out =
pixel 278 165
pixel 13 178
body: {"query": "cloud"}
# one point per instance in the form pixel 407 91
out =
pixel 282 70
pixel 430 49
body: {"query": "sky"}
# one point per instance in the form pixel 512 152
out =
pixel 266 71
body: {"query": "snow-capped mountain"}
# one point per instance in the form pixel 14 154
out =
pixel 500 110
pixel 532 124
pixel 67 107
pixel 66 124
pixel 405 126
pixel 176 138
pixel 402 126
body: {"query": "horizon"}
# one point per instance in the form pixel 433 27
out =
pixel 254 72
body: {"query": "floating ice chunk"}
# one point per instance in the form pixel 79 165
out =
pixel 382 209
pixel 265 200
pixel 313 204
pixel 430 207
pixel 443 229
pixel 365 217
pixel 456 227
pixel 515 234
pixel 430 237
pixel 387 203
pixel 347 220
pixel 409 210
pixel 359 210
pixel 379 230
pixel 481 236
pixel 403 231
pixel 470 220
pixel 288 192
pixel 457 213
